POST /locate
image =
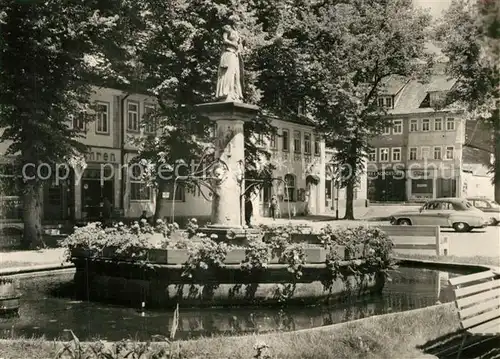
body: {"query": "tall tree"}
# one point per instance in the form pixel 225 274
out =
pixel 51 52
pixel 470 32
pixel 358 45
pixel 181 58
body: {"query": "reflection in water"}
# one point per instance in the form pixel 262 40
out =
pixel 44 311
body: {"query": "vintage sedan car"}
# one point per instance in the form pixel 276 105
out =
pixel 457 213
pixel 491 208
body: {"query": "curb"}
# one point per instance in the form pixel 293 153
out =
pixel 35 269
pixel 448 264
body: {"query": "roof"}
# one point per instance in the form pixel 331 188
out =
pixel 441 83
pixel 415 92
pixel 391 85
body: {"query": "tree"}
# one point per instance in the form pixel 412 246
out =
pixel 470 32
pixel 181 59
pixel 51 54
pixel 358 45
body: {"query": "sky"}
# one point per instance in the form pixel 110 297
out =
pixel 436 6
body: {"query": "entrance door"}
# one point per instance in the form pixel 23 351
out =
pixel 92 195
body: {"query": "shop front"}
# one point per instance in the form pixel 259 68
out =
pixel 428 183
pixel 421 184
pixel 99 180
pixel 387 185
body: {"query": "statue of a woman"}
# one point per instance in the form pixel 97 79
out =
pixel 230 75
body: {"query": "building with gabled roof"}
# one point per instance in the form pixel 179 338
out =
pixel 425 153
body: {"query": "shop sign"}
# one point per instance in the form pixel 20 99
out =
pixel 421 173
pixel 102 155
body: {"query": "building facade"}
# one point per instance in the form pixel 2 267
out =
pixel 78 194
pixel 299 179
pixel 424 154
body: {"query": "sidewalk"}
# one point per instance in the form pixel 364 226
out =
pixel 31 258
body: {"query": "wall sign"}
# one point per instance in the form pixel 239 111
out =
pixel 102 155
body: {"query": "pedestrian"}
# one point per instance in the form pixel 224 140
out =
pixel 107 208
pixel 273 206
pixel 248 210
pixel 143 219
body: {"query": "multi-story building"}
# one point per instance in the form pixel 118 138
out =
pixel 118 116
pixel 299 177
pixel 422 155
pixel 298 155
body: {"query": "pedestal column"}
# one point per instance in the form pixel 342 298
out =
pixel 230 149
pixel 227 207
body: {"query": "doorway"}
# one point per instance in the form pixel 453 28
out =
pixel 93 191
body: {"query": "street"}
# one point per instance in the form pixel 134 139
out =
pixel 480 242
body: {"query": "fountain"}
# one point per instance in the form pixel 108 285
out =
pixel 9 297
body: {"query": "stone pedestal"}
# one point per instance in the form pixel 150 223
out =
pixel 227 207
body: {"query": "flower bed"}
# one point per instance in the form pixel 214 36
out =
pixel 159 254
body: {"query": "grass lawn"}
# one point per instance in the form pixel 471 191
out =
pixel 390 336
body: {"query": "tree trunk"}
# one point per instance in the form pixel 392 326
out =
pixel 32 216
pixel 349 203
pixel 351 181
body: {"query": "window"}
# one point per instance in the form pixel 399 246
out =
pixel 317 149
pixel 260 140
pixel 133 116
pixel 286 140
pixel 396 154
pixel 413 125
pixel 450 124
pixel 438 124
pixel 481 204
pixel 272 141
pixel 384 155
pixel 397 127
pixel 150 122
pixel 387 131
pixel 180 192
pixel 425 153
pixel 437 153
pixel 413 153
pixel 449 155
pixel 372 155
pixel 426 124
pixel 296 142
pixel 381 102
pixel 307 143
pixel 290 188
pixel 139 190
pixel 102 117
pixel 388 102
pixel 78 121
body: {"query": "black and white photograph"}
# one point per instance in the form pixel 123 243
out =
pixel 249 179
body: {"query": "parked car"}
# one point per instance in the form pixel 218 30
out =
pixel 456 213
pixel 490 207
